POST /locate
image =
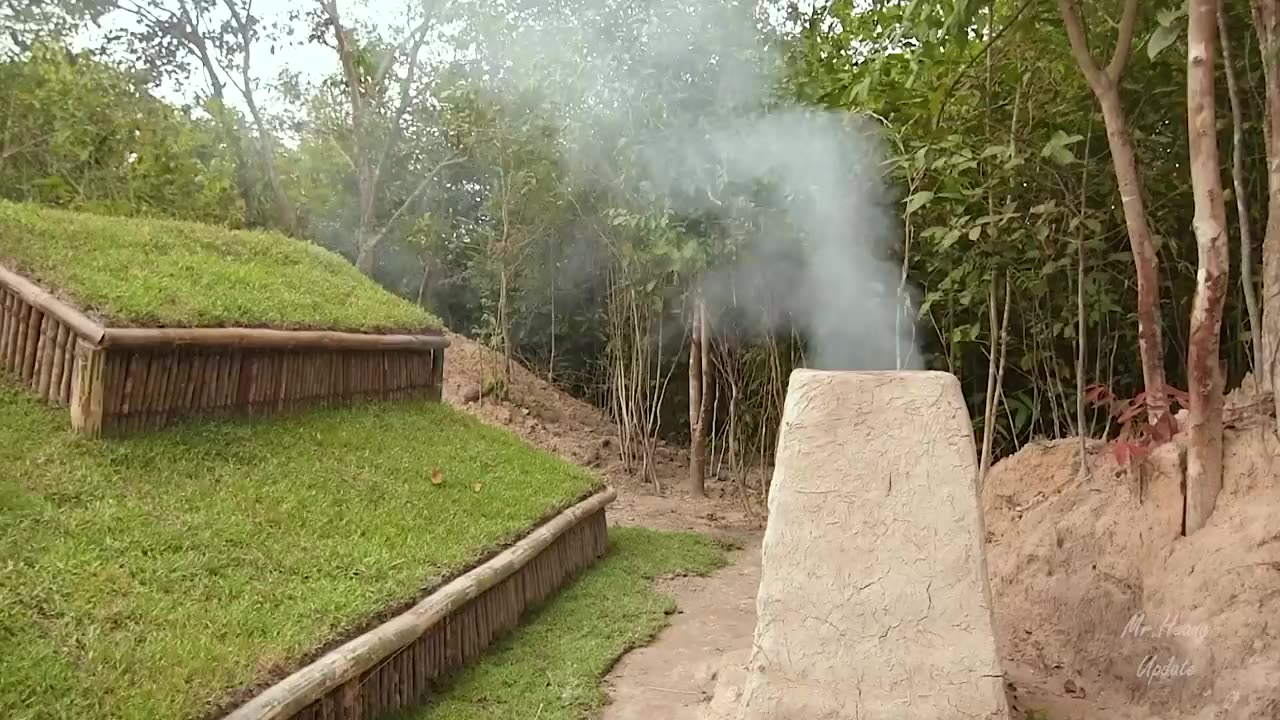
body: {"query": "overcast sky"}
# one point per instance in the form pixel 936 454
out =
pixel 311 61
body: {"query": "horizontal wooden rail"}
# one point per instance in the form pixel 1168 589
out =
pixel 41 299
pixel 261 338
pixel 348 661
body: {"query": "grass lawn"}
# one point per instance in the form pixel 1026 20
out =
pixel 146 577
pixel 551 667
pixel 133 272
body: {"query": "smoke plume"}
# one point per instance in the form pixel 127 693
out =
pixel 689 89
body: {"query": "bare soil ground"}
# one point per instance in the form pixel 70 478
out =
pixel 1078 568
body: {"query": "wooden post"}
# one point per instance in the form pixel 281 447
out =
pixel 437 374
pixel 86 395
pixel 57 366
pixel 6 322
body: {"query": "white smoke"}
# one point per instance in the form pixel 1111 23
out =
pixel 691 86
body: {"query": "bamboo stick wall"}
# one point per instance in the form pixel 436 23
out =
pixel 37 348
pixel 120 388
pixel 406 678
pixel 146 388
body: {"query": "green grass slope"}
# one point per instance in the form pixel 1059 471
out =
pixel 134 272
pixel 551 667
pixel 147 577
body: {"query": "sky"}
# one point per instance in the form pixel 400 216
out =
pixel 311 61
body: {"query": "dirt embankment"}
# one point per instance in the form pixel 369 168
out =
pixel 579 432
pixel 1102 606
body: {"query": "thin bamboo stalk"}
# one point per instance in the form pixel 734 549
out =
pixel 18 336
pixel 233 382
pixel 41 372
pixel 29 348
pixel 183 397
pixel 57 366
pixel 69 368
pixel 6 323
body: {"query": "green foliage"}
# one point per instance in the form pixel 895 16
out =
pixel 1003 161
pixel 148 577
pixel 166 272
pixel 83 134
pixel 552 666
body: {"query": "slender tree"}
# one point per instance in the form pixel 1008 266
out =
pixel 1204 371
pixel 1266 21
pixel 1241 192
pixel 368 158
pixel 1105 84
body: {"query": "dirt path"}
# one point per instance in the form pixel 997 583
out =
pixel 673 678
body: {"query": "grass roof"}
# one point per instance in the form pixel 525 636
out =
pixel 149 576
pixel 135 272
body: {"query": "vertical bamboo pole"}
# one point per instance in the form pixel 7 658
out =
pixel 43 371
pixel 68 369
pixel 53 391
pixel 436 384
pixel 130 379
pixel 181 399
pixel 150 388
pixel 17 350
pixel 195 382
pixel 156 400
pixel 208 399
pixel 34 320
pixel 233 382
pixel 177 360
pixel 86 398
pixel 6 323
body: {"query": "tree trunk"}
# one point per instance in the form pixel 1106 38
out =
pixel 1105 83
pixel 366 252
pixel 1082 426
pixel 995 377
pixel 504 325
pixel 286 218
pixel 1145 259
pixel 1238 183
pixel 1266 21
pixel 422 286
pixel 1204 371
pixel 698 396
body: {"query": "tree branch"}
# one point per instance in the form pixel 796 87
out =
pixel 452 160
pixel 394 130
pixel 1124 43
pixel 1070 11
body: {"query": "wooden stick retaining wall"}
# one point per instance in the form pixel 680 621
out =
pixel 395 665
pixel 146 388
pixel 37 347
pixel 122 379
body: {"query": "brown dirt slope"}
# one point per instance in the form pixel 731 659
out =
pixel 1103 609
pixel 579 432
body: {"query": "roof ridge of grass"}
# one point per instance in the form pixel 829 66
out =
pixel 130 272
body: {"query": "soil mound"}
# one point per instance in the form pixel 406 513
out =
pixel 548 418
pixel 1097 594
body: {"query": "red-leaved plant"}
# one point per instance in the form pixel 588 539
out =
pixel 1137 436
